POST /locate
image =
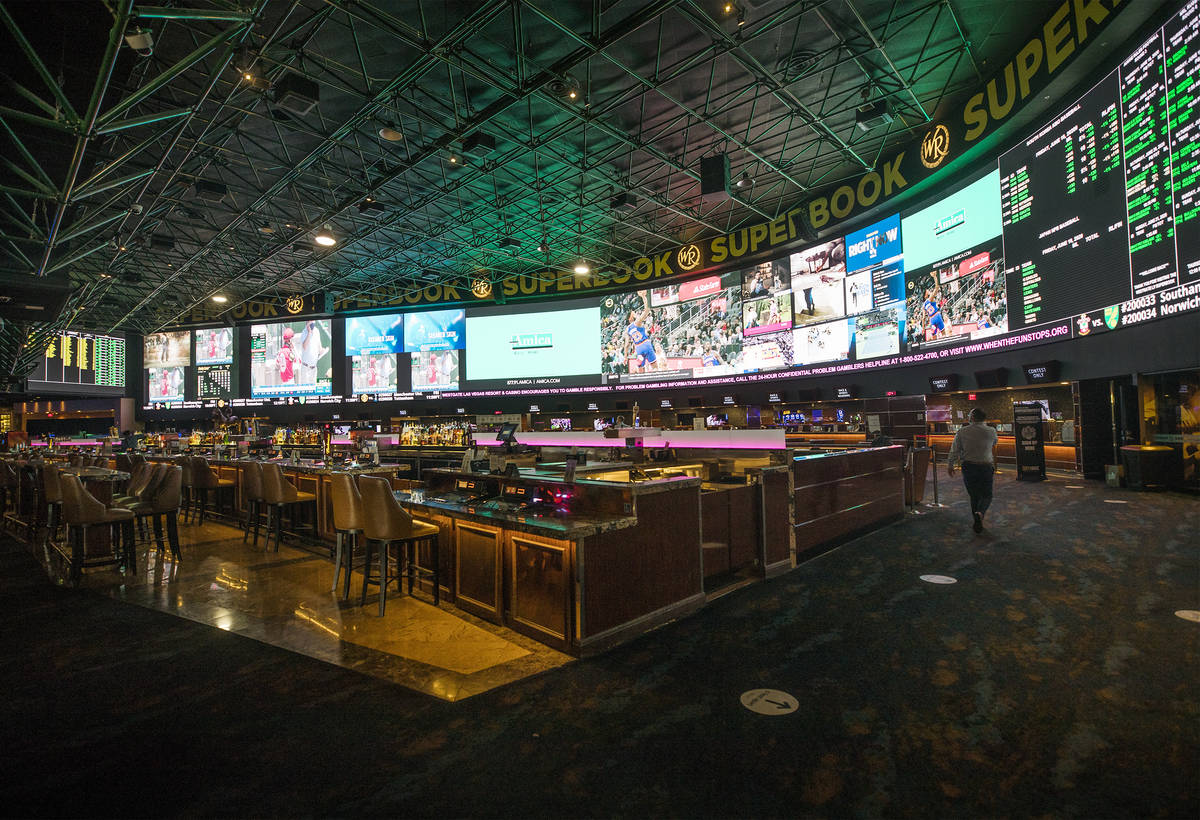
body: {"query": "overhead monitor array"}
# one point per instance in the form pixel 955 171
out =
pixel 1088 225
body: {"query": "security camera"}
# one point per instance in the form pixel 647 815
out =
pixel 141 41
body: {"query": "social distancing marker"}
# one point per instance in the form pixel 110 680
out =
pixel 1188 614
pixel 1114 501
pixel 1074 486
pixel 769 702
pixel 939 579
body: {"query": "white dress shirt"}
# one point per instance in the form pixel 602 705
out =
pixel 973 442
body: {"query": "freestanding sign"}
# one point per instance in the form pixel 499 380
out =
pixel 1031 445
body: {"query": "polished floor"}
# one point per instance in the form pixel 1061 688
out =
pixel 1058 676
pixel 284 598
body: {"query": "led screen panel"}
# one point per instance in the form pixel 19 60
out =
pixel 373 373
pixel 81 363
pixel 381 333
pixel 435 330
pixel 214 345
pixel 534 347
pixel 874 244
pixel 969 217
pixel 818 289
pixel 165 384
pixel 291 359
pixel 698 335
pixel 171 349
pixel 435 370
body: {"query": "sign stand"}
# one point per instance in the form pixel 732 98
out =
pixel 1030 441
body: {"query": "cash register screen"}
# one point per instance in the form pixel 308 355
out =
pixel 516 493
pixel 464 484
pixel 507 432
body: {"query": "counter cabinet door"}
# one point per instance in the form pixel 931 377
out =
pixel 540 588
pixel 477 559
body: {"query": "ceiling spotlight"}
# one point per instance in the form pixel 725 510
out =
pixel 454 159
pixel 744 180
pixel 581 268
pixel 389 133
pixel 543 246
pixel 141 41
pixel 220 299
pixel 266 228
pixel 325 237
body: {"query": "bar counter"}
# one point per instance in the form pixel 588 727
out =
pixel 1058 456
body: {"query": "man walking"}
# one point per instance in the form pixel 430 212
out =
pixel 974 448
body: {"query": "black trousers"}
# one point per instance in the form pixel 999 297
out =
pixel 977 478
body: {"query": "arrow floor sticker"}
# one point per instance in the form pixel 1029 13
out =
pixel 769 702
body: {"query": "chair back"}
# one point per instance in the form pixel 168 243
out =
pixel 383 517
pixel 52 484
pixel 124 463
pixel 139 480
pixel 75 460
pixel 79 506
pixel 185 463
pixel 203 476
pixel 168 491
pixel 252 481
pixel 276 489
pixel 347 502
pixel 8 475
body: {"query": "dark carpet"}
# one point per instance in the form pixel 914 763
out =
pixel 1052 679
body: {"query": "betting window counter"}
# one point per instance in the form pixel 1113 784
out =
pixel 415 460
pixel 1058 456
pixel 839 496
pixel 624 559
pixel 830 440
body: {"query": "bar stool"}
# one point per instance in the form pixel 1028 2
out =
pixel 252 494
pixel 278 493
pixel 162 502
pixel 9 482
pixel 385 521
pixel 75 460
pixel 347 523
pixel 82 510
pixel 148 479
pixel 52 496
pixel 138 483
pixel 204 479
pixel 185 464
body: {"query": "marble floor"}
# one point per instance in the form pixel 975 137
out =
pixel 283 598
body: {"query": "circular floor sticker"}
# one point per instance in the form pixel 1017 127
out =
pixel 1186 614
pixel 769 702
pixel 1114 501
pixel 939 579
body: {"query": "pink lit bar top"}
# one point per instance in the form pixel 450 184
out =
pixel 74 442
pixel 772 439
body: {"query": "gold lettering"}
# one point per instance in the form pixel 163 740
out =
pixel 717 249
pixel 975 117
pixel 1086 10
pixel 845 193
pixel 1029 60
pixel 893 180
pixel 997 110
pixel 661 268
pixel 1059 43
pixel 818 212
pixel 738 248
pixel 778 231
pixel 757 234
pixel 864 198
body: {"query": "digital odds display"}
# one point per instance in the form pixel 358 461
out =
pixel 81 363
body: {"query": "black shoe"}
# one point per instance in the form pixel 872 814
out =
pixel 978 522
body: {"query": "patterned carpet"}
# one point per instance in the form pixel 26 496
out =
pixel 1052 679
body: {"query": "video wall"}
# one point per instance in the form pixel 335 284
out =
pixel 1089 225
pixel 190 368
pixel 91 363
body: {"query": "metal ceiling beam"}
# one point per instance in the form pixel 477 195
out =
pixel 38 65
pixel 115 35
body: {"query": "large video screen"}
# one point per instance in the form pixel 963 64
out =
pixel 291 359
pixel 533 348
pixel 381 333
pixel 435 330
pixel 214 345
pixel 214 382
pixel 699 333
pixel 171 349
pixel 165 384
pixel 374 373
pixel 435 370
pixel 966 218
pixel 818 286
pixel 88 363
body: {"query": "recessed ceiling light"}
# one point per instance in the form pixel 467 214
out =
pixel 220 300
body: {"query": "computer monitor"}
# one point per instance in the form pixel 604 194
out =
pixel 507 432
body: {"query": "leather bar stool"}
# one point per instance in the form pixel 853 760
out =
pixel 149 478
pixel 52 496
pixel 189 497
pixel 278 493
pixel 82 510
pixel 9 482
pixel 75 460
pixel 205 481
pixel 347 523
pixel 252 494
pixel 124 463
pixel 386 522
pixel 162 503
